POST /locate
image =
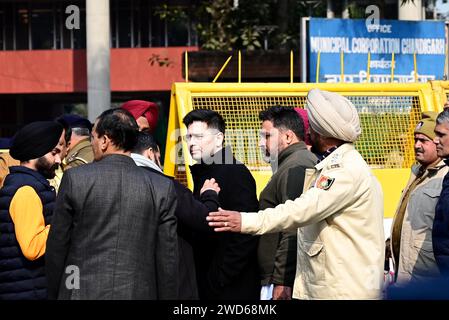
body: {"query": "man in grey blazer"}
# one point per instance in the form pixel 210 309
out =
pixel 113 234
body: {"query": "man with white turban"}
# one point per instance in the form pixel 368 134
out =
pixel 340 216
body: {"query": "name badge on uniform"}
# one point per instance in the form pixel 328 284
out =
pixel 324 182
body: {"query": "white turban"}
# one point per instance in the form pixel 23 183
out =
pixel 331 115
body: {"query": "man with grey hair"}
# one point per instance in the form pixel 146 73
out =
pixel 440 232
pixel 339 217
pixel 80 149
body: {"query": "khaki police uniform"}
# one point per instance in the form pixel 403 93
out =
pixel 341 244
pixel 414 238
pixel 82 153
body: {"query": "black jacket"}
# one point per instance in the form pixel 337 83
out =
pixel 440 231
pixel 191 215
pixel 20 278
pixel 116 228
pixel 227 262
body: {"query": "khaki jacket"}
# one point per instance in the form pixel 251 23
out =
pixel 6 161
pixel 416 259
pixel 340 237
pixel 82 153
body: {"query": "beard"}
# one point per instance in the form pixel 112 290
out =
pixel 47 169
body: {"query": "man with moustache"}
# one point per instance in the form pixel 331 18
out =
pixel 411 233
pixel 26 207
pixel 282 143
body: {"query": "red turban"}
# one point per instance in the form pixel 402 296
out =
pixel 140 108
pixel 303 114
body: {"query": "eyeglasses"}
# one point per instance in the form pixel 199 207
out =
pixel 198 137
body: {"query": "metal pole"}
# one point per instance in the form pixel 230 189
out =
pixel 303 42
pixel 132 24
pixel 415 67
pixel 30 21
pixel 317 80
pixel 240 67
pixel 98 57
pixel 342 67
pixel 291 66
pixel 14 44
pixel 222 68
pixel 53 12
pixel 61 27
pixel 392 66
pixel 368 67
pixel 186 66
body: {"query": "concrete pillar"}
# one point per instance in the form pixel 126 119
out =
pixel 98 57
pixel 410 10
pixel 330 14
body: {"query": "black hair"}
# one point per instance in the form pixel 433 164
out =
pixel 145 141
pixel 284 118
pixel 67 129
pixel 213 119
pixel 120 126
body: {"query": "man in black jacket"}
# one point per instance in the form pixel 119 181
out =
pixel 226 263
pixel 113 234
pixel 190 212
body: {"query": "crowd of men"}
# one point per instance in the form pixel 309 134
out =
pixel 87 213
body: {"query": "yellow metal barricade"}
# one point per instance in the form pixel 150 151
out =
pixel 440 93
pixel 388 114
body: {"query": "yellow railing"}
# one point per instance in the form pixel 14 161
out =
pixel 388 114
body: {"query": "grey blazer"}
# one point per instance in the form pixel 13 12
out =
pixel 114 230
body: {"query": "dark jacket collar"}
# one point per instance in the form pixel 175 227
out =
pixel 325 154
pixel 31 172
pixel 284 154
pixel 223 156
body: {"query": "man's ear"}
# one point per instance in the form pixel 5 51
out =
pixel 105 142
pixel 220 139
pixel 149 154
pixel 289 136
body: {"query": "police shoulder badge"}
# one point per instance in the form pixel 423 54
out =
pixel 324 182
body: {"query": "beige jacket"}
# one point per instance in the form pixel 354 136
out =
pixel 340 237
pixel 416 259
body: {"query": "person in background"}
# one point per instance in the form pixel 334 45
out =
pixel 411 232
pixel 26 208
pixel 145 112
pixel 80 149
pixel 6 161
pixel 440 231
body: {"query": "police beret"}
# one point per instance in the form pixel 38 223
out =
pixel 75 121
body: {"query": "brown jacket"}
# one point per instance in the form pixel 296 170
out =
pixel 277 251
pixel 6 161
pixel 82 153
pixel 416 258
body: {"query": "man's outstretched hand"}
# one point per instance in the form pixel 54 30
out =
pixel 225 220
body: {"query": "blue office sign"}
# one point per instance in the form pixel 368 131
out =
pixel 355 38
